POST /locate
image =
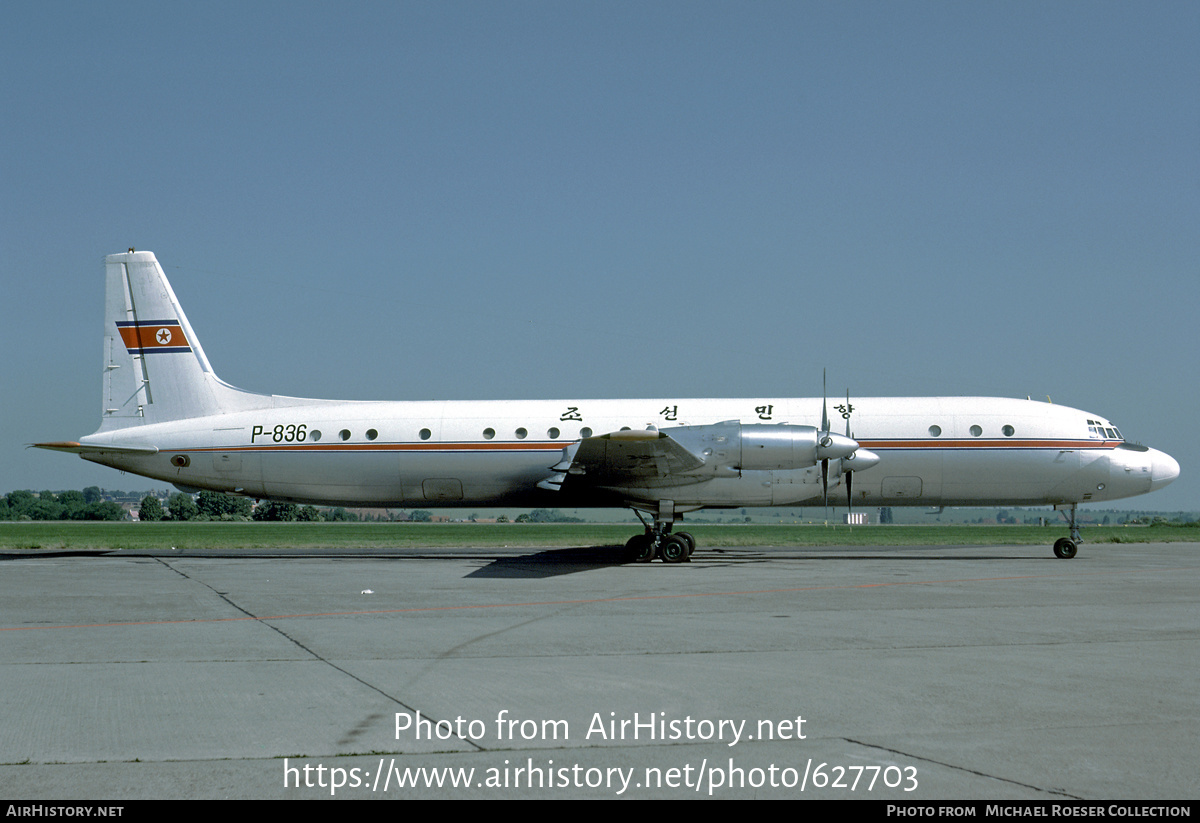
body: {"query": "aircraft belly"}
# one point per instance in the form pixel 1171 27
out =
pixel 1088 475
pixel 903 476
pixel 388 478
pixel 332 478
pixel 1010 476
pixel 234 470
pixel 752 488
pixel 241 474
pixel 473 479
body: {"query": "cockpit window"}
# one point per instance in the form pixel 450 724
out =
pixel 1100 429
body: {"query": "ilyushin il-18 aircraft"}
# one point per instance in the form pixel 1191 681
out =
pixel 167 415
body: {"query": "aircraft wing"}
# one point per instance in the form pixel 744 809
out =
pixel 626 458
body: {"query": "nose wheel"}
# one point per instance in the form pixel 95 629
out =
pixel 1067 547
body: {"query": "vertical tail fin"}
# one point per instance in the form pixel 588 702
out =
pixel 154 367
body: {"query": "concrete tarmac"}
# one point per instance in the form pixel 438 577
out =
pixel 895 673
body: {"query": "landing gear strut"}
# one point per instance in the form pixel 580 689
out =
pixel 1067 547
pixel 658 541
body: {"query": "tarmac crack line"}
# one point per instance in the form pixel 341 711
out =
pixel 306 649
pixel 957 768
pixel 453 653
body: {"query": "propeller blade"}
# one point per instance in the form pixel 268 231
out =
pixel 824 405
pixel 849 474
pixel 825 483
pixel 849 471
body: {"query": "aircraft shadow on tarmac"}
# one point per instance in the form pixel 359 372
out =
pixel 38 554
pixel 572 560
pixel 555 562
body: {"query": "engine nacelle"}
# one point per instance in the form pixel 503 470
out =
pixel 860 461
pixel 768 448
pixel 761 446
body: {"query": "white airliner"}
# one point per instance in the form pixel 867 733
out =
pixel 167 415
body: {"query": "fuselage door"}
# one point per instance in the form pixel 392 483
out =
pixel 901 488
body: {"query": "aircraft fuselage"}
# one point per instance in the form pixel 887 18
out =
pixel 166 415
pixel 934 452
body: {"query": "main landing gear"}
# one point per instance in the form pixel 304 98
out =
pixel 1067 547
pixel 658 541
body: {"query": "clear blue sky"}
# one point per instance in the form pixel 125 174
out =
pixel 601 199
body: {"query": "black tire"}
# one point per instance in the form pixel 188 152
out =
pixel 686 537
pixel 640 548
pixel 674 549
pixel 1065 548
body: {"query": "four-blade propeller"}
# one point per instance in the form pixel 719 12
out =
pixel 859 459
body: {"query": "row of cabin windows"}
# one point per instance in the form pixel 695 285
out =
pixel 489 433
pixel 520 433
pixel 1095 427
pixel 553 432
pixel 976 431
pixel 315 434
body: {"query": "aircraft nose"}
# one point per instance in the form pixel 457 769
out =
pixel 1163 469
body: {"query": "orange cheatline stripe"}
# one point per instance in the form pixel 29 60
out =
pixel 553 445
pixel 989 444
pixel 531 446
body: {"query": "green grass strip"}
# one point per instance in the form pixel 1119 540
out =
pixel 218 535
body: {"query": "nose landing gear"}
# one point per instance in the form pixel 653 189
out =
pixel 1067 547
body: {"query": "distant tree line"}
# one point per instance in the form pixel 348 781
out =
pixel 208 505
pixel 68 505
pixel 90 504
pixel 550 516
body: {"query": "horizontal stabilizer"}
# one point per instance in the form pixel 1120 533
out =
pixel 79 448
